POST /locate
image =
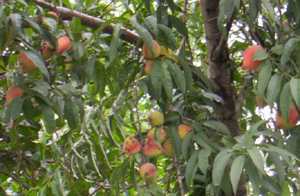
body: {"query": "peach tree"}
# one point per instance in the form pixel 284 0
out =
pixel 166 97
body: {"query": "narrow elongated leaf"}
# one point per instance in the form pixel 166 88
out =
pixel 167 81
pixel 145 35
pixel 254 127
pixel 49 119
pixel 156 78
pixel 203 163
pixel 285 100
pixel 288 49
pixel 263 79
pixel 177 75
pixel 14 108
pixel 186 145
pixel 281 151
pixel 167 35
pixel 220 163
pixel 191 168
pixel 151 24
pixel 256 158
pixel 254 7
pixel 274 88
pixel 236 171
pixel 218 126
pixel 71 113
pixel 260 55
pixel 114 44
pixel 38 61
pixel 226 9
pixel 285 190
pixel 295 90
pixel 179 25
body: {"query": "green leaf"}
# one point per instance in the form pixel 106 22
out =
pixel 188 76
pixel 288 50
pixel 203 162
pixel 114 45
pixel 263 79
pixel 177 75
pixel 180 26
pixel 156 78
pixel 274 88
pixel 14 108
pixel 218 126
pixel 167 36
pixel 256 158
pixel 16 20
pixel 226 9
pixel 173 6
pixel 145 35
pixel 151 24
pixel 167 81
pixel 285 190
pixel 254 7
pixel 191 168
pixel 260 55
pixel 220 163
pixel 236 171
pixel 255 126
pixel 175 140
pixel 281 151
pixel 295 90
pixel 285 100
pixel 71 113
pixel 48 117
pixel 38 61
pixel 186 145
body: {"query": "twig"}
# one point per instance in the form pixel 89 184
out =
pixel 179 176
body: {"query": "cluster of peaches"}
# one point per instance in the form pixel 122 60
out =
pixel 249 64
pixel 27 64
pixel 156 143
pixel 149 55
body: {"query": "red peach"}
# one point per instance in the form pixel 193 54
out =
pixel 63 44
pixel 131 145
pixel 148 66
pixel 151 148
pixel 148 171
pixel 148 54
pixel 183 130
pixel 249 63
pixel 157 134
pixel 13 92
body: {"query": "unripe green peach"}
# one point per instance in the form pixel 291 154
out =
pixel 156 118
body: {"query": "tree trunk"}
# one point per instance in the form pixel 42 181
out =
pixel 220 70
pixel 219 65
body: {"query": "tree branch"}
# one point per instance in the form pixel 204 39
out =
pixel 91 21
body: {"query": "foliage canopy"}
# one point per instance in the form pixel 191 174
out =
pixel 63 132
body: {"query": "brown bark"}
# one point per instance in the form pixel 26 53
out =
pixel 219 65
pixel 91 21
pixel 220 71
